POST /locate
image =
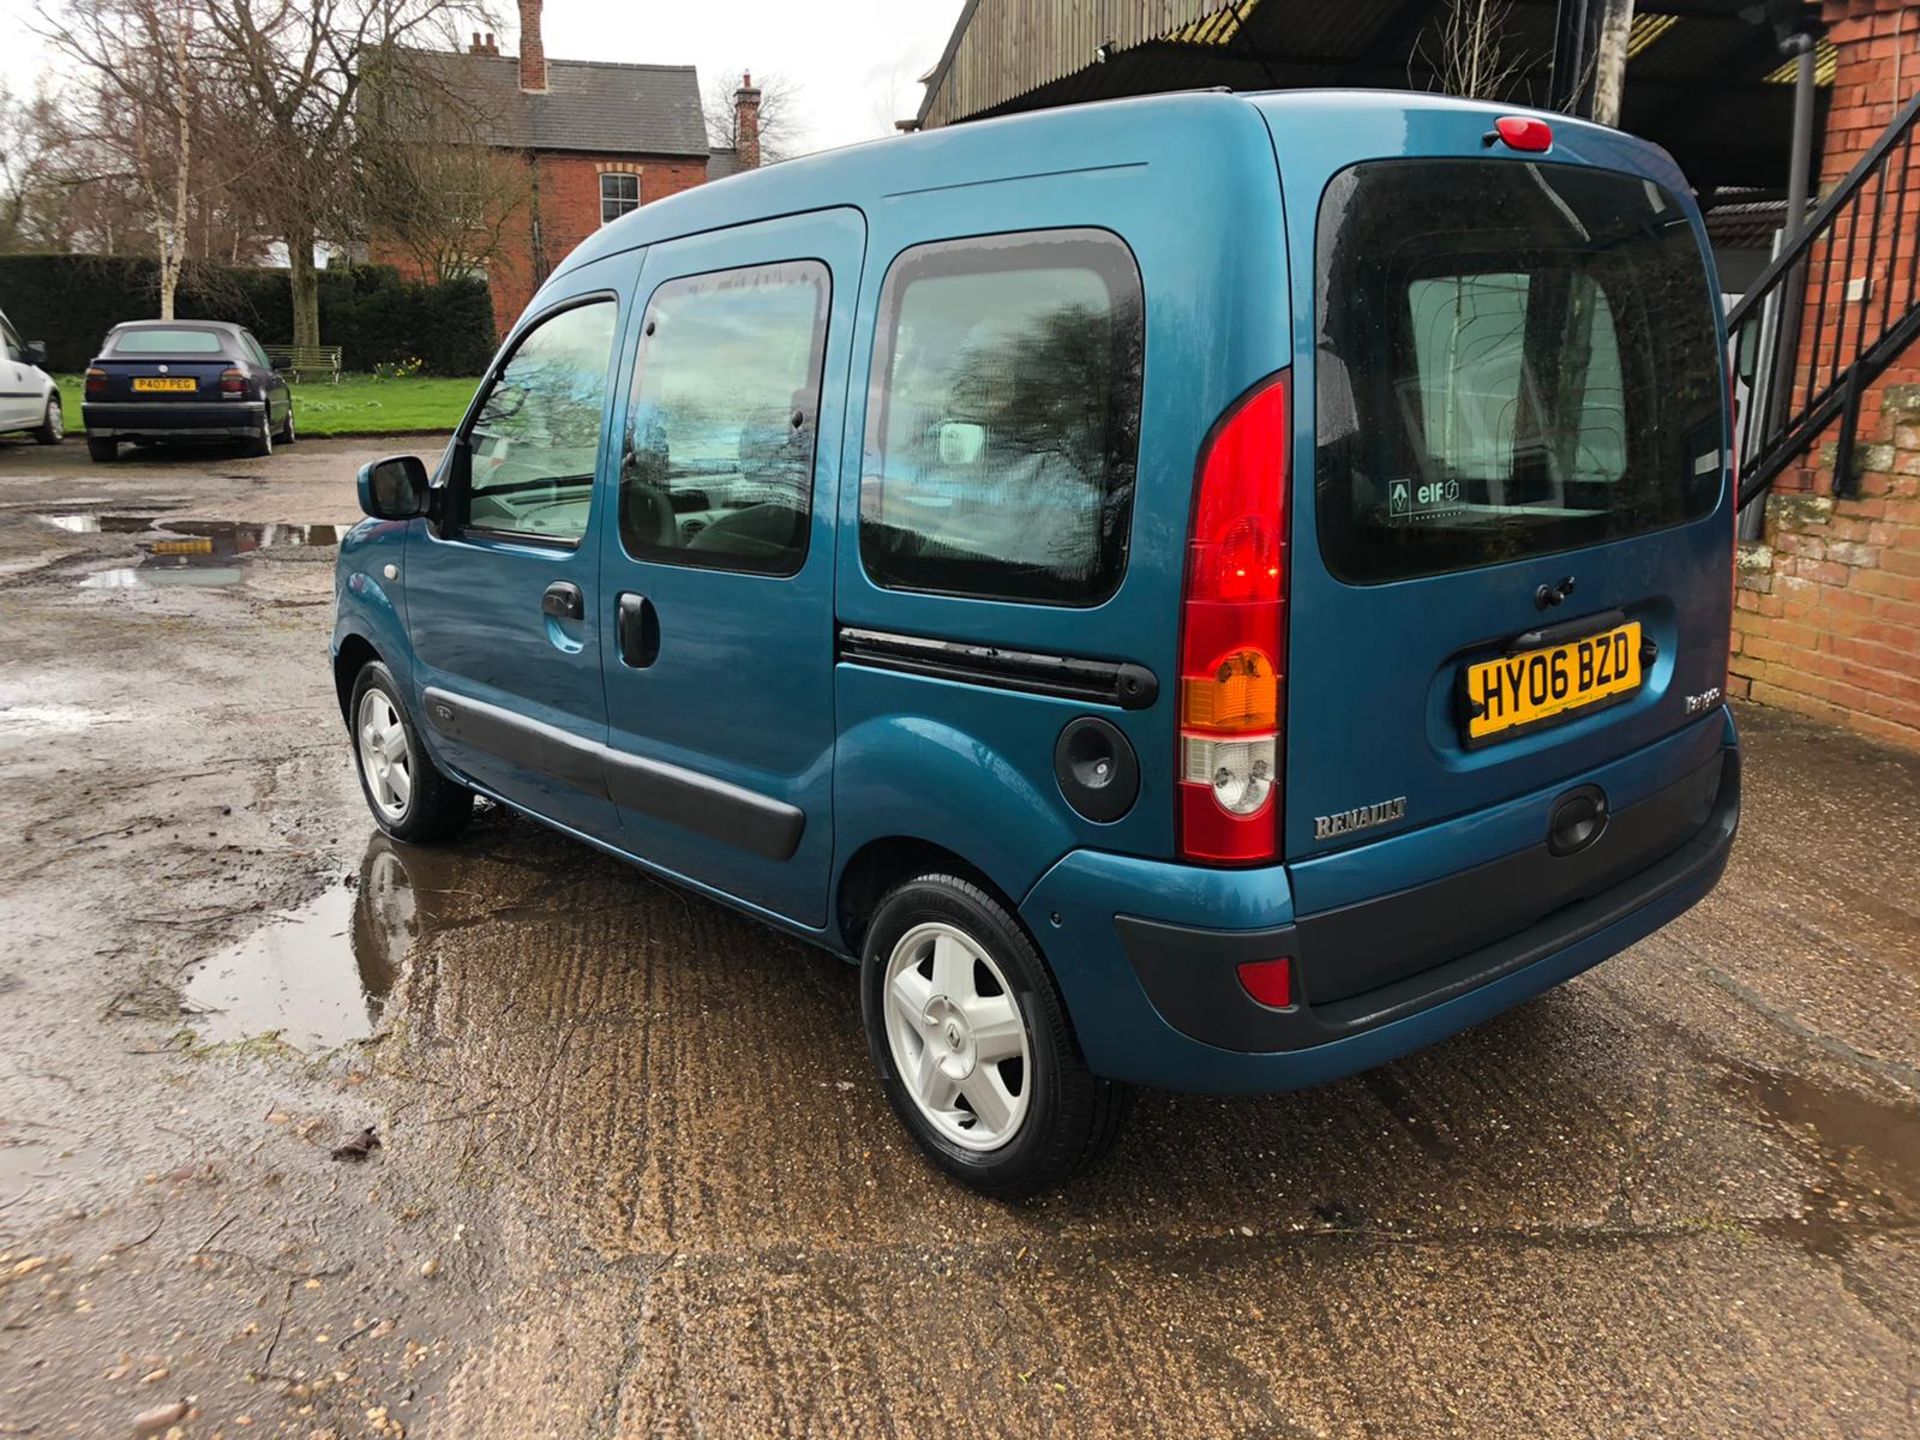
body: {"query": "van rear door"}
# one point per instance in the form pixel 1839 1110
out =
pixel 1511 554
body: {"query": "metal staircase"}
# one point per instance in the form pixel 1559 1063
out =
pixel 1799 366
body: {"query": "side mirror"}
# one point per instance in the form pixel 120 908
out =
pixel 36 352
pixel 394 488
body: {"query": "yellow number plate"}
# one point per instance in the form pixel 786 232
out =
pixel 1532 686
pixel 165 382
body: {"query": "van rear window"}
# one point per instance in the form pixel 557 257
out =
pixel 1532 367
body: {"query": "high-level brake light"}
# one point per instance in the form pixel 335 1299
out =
pixel 1523 132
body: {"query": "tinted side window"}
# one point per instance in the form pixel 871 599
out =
pixel 1003 418
pixel 718 464
pixel 536 440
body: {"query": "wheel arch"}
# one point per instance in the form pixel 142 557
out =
pixel 882 863
pixel 350 657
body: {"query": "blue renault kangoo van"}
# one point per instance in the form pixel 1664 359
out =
pixel 1208 591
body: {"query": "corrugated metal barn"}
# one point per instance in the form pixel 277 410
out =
pixel 1703 79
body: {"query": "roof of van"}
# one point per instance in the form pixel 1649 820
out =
pixel 1106 133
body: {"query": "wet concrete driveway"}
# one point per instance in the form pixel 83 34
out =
pixel 634 1177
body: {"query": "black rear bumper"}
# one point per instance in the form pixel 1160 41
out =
pixel 175 419
pixel 1393 956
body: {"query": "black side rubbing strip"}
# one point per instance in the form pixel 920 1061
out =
pixel 714 808
pixel 514 738
pixel 706 806
pixel 1070 677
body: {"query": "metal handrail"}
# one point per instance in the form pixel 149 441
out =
pixel 1799 377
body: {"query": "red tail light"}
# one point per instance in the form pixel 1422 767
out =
pixel 96 380
pixel 1233 635
pixel 233 384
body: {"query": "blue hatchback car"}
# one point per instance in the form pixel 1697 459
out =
pixel 1207 591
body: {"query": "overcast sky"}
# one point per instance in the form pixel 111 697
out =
pixel 855 61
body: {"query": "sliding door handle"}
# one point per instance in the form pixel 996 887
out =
pixel 563 601
pixel 636 626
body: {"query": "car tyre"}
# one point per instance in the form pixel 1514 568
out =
pixel 409 796
pixel 261 446
pixel 53 425
pixel 946 973
pixel 103 448
pixel 286 435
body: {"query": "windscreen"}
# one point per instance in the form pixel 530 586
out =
pixel 167 342
pixel 1512 359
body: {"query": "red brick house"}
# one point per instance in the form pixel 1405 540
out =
pixel 577 143
pixel 1827 609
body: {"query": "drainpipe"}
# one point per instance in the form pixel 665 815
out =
pixel 1799 45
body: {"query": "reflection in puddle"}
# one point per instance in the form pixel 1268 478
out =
pixel 186 552
pixel 101 524
pixel 127 579
pixel 318 976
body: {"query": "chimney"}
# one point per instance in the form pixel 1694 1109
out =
pixel 485 45
pixel 746 123
pixel 533 54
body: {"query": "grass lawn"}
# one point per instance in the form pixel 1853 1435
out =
pixel 358 405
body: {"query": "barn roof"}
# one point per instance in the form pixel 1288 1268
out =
pixel 1703 80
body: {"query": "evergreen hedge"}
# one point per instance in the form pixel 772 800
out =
pixel 71 301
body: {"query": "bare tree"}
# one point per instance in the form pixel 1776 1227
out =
pixel 782 128
pixel 34 145
pixel 298 66
pixel 430 181
pixel 1476 60
pixel 1610 60
pixel 136 118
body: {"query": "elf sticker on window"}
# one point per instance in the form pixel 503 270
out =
pixel 1411 500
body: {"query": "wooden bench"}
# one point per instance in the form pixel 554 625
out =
pixel 290 360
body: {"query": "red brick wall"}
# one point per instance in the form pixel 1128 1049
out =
pixel 1827 610
pixel 562 192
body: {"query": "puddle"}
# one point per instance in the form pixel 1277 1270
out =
pixel 318 976
pixel 1869 1155
pixel 101 524
pixel 186 552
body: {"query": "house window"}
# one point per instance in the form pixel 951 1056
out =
pixel 618 195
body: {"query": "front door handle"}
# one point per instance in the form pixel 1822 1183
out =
pixel 636 627
pixel 563 601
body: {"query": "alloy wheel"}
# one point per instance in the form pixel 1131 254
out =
pixel 386 755
pixel 956 1036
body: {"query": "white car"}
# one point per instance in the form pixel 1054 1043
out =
pixel 29 400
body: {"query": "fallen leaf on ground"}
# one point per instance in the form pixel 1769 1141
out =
pixel 358 1148
pixel 160 1417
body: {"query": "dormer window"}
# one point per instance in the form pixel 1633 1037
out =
pixel 618 194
